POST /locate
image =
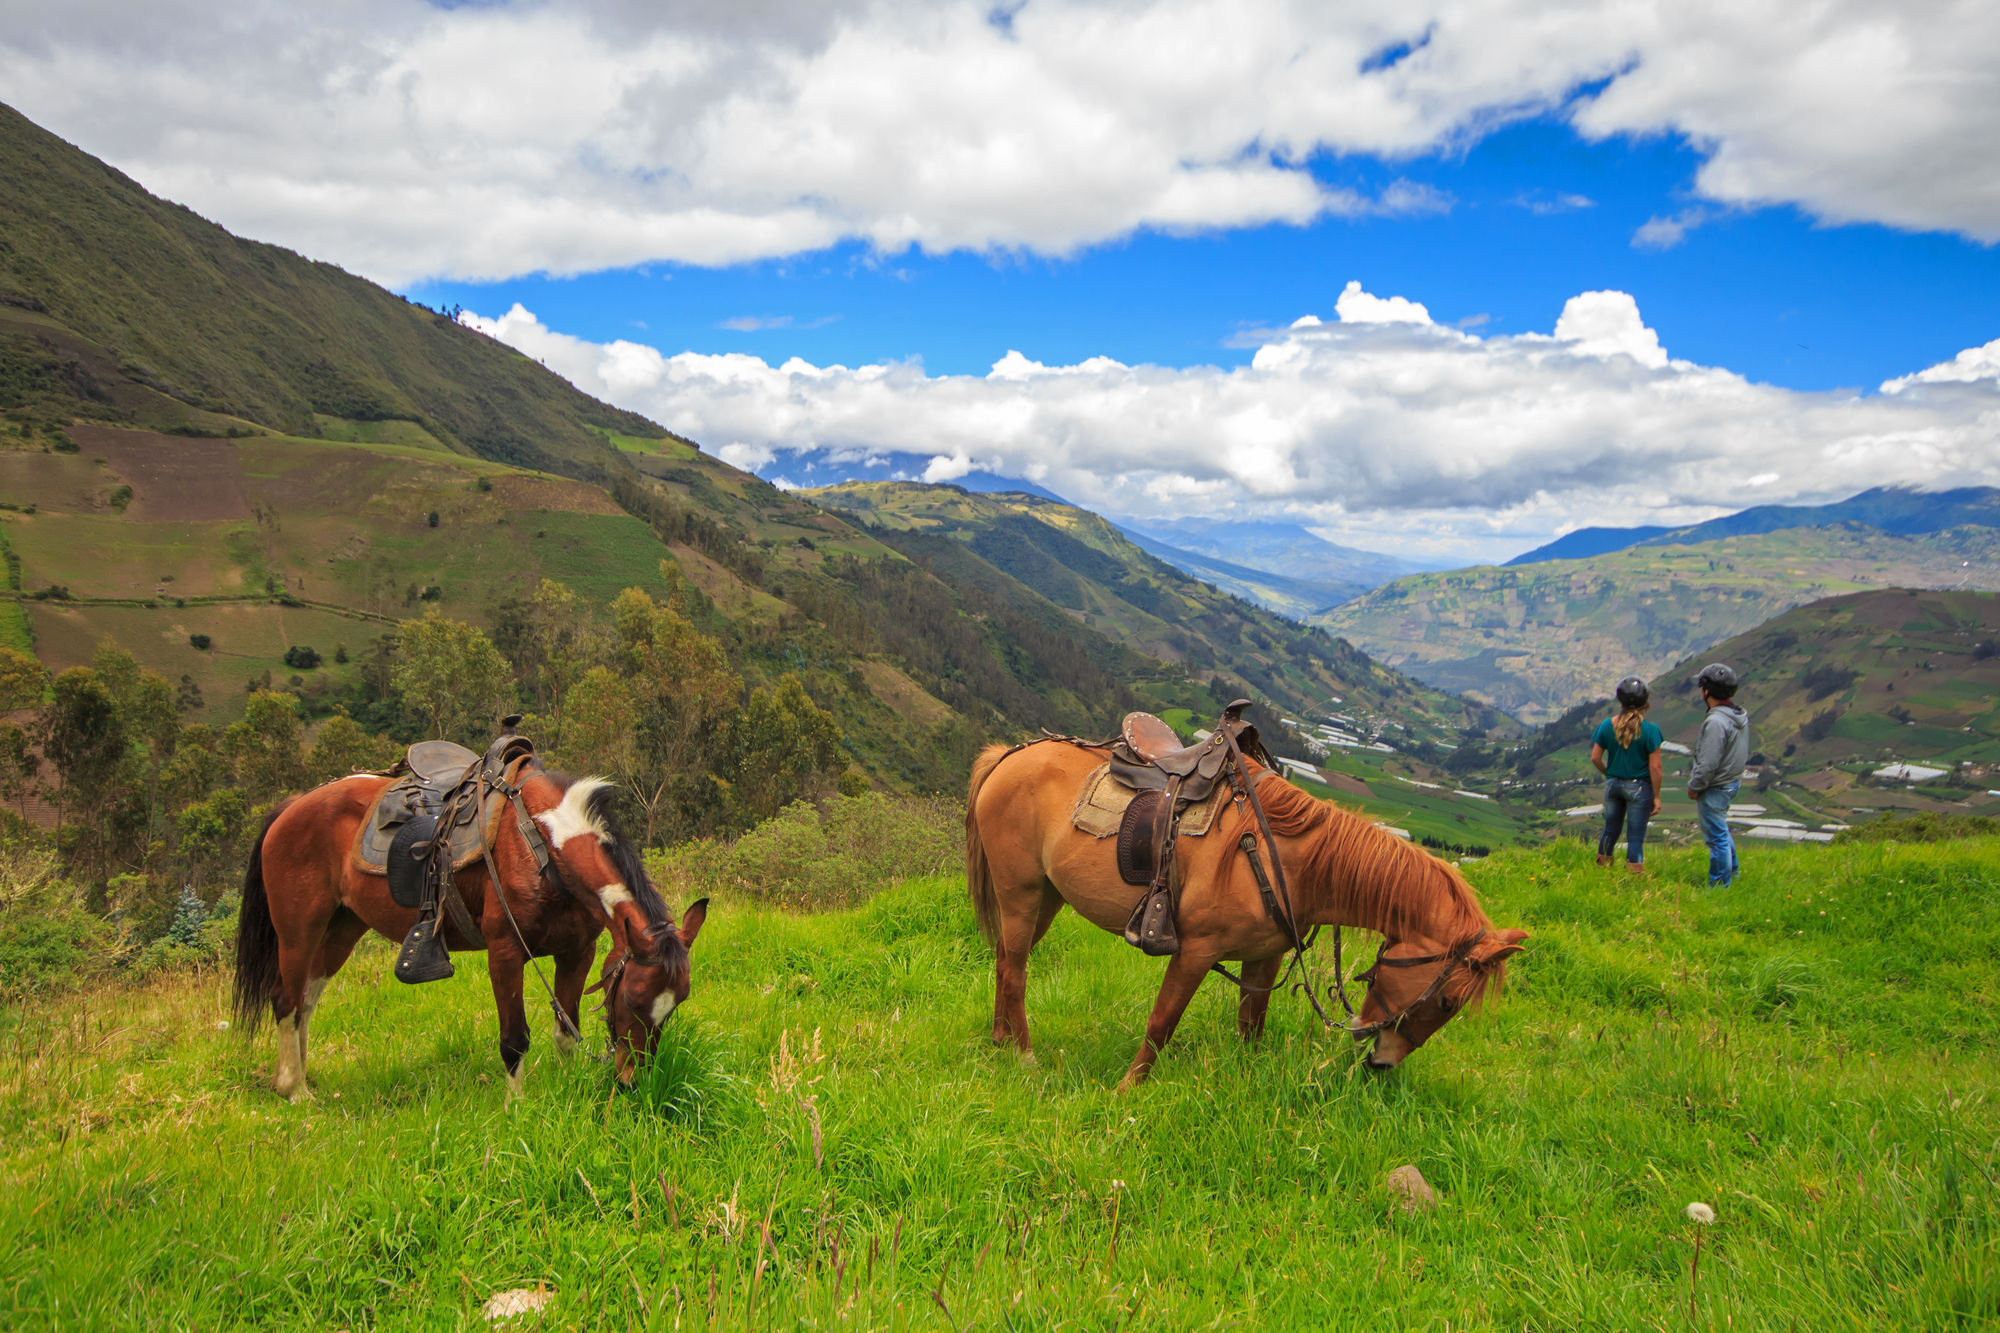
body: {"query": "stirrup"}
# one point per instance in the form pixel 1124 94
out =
pixel 424 957
pixel 1151 929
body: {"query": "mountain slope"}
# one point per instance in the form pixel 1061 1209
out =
pixel 119 306
pixel 1895 509
pixel 1297 598
pixel 1536 639
pixel 1083 564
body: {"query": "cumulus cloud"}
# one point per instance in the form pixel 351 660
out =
pixel 406 139
pixel 1668 232
pixel 1398 434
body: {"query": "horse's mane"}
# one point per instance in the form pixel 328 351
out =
pixel 1386 882
pixel 600 810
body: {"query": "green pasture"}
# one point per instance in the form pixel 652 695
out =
pixel 828 1140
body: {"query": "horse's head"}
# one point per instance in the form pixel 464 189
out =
pixel 645 975
pixel 1415 988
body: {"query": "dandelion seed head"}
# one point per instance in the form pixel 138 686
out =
pixel 1701 1214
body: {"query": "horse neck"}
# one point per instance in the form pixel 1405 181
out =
pixel 1359 874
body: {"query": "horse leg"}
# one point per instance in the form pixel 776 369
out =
pixel 1184 976
pixel 505 968
pixel 1258 978
pixel 342 934
pixel 1019 933
pixel 298 954
pixel 572 970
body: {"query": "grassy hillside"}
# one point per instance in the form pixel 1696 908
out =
pixel 120 306
pixel 1811 1054
pixel 1086 566
pixel 1536 639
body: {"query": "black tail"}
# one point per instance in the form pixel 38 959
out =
pixel 256 940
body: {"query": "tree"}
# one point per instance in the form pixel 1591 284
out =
pixel 780 747
pixel 263 748
pixel 18 766
pixel 210 834
pixel 342 747
pixel 79 735
pixel 451 676
pixel 602 730
pixel 681 691
pixel 552 640
pixel 23 680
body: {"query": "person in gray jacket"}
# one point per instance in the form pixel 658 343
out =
pixel 1720 753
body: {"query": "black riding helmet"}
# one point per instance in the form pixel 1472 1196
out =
pixel 1717 679
pixel 1632 692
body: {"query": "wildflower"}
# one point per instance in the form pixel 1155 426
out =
pixel 1701 1213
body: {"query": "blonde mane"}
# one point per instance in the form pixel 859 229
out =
pixel 1385 883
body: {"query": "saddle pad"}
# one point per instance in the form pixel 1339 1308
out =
pixel 1100 806
pixel 406 800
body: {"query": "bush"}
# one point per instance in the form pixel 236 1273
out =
pixel 302 658
pixel 1927 826
pixel 814 858
pixel 199 642
pixel 46 947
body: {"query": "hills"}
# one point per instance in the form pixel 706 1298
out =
pixel 1896 509
pixel 1838 690
pixel 1536 639
pixel 1097 575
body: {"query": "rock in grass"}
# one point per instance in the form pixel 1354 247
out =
pixel 1413 1193
pixel 504 1305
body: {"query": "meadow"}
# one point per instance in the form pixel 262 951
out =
pixel 828 1140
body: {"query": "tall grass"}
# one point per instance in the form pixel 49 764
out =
pixel 827 1138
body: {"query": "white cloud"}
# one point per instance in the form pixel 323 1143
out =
pixel 1399 435
pixel 404 139
pixel 1968 367
pixel 1358 307
pixel 1608 324
pixel 1668 232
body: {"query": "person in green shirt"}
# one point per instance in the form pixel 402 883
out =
pixel 1626 750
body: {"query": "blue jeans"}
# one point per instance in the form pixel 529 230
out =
pixel 1713 807
pixel 1627 801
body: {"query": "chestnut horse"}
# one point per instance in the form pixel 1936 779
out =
pixel 307 903
pixel 1024 860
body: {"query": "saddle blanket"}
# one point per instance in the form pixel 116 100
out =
pixel 1101 805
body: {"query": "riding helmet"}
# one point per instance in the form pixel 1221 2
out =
pixel 1717 679
pixel 1632 692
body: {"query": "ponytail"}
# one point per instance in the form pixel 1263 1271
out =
pixel 1626 725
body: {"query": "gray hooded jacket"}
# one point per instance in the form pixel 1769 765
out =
pixel 1723 747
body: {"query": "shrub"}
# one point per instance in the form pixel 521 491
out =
pixel 199 642
pixel 120 498
pixel 1926 826
pixel 44 947
pixel 431 518
pixel 814 858
pixel 300 657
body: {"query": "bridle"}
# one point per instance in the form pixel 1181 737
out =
pixel 1451 958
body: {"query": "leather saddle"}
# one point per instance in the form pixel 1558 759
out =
pixel 438 817
pixel 1169 777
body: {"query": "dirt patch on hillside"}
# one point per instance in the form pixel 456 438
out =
pixel 572 497
pixel 1341 782
pixel 903 696
pixel 171 477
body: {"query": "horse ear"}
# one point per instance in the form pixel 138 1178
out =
pixel 1498 945
pixel 691 921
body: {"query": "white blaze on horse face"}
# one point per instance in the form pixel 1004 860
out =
pixel 572 815
pixel 662 1007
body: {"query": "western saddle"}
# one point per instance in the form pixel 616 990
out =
pixel 1168 778
pixel 440 815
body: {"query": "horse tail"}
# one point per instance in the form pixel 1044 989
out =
pixel 256 939
pixel 978 870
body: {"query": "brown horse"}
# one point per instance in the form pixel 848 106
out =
pixel 1025 859
pixel 307 903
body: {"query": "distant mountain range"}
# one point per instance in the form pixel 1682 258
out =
pixel 1536 639
pixel 1896 509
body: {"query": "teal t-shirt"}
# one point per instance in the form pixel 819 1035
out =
pixel 1627 761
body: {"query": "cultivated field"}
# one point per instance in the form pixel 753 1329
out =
pixel 830 1141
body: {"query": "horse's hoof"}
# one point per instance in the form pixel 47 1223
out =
pixel 1028 1059
pixel 300 1094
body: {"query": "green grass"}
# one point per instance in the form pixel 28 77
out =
pixel 1810 1053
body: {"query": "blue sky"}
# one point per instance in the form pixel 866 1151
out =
pixel 1158 255
pixel 1766 292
